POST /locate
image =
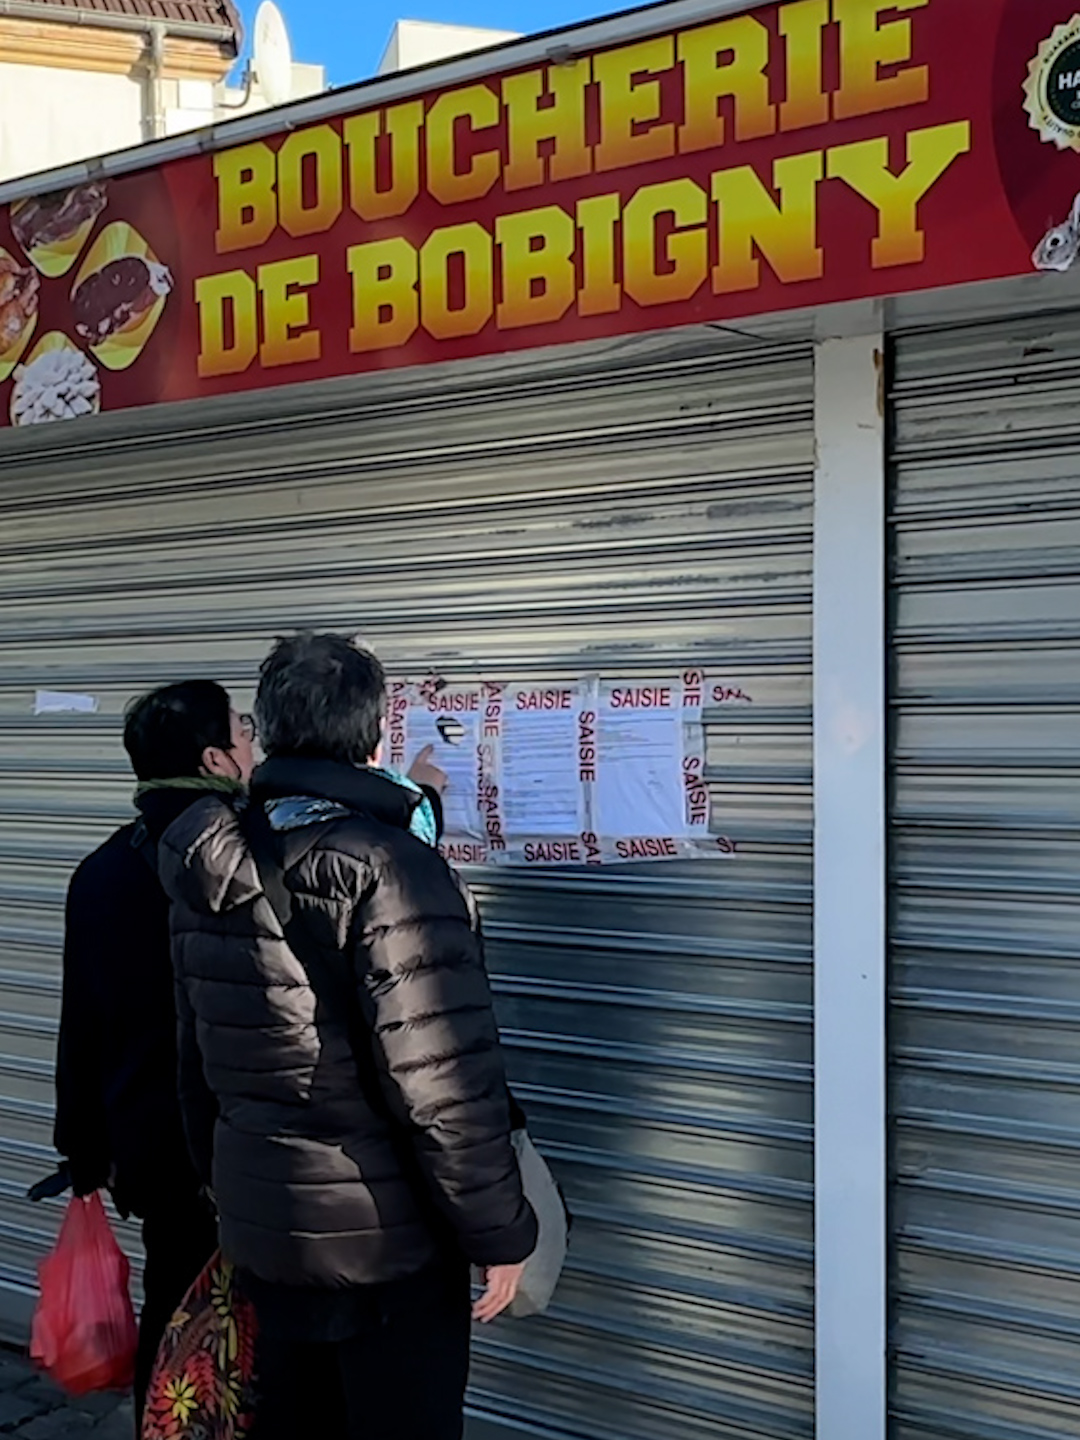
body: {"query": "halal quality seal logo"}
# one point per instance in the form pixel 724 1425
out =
pixel 1052 89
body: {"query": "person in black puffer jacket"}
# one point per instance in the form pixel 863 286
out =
pixel 356 1133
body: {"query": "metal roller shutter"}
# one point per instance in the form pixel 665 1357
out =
pixel 985 861
pixel 626 510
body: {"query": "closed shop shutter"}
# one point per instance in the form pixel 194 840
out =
pixel 627 511
pixel 985 943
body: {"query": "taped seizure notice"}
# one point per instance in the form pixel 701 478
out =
pixel 588 772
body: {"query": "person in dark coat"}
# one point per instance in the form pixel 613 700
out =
pixel 344 1093
pixel 118 1117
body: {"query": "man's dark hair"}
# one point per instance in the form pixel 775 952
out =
pixel 167 731
pixel 322 697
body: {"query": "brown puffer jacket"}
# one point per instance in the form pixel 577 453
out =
pixel 342 1148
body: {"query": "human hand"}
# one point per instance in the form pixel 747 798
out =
pixel 423 771
pixel 501 1284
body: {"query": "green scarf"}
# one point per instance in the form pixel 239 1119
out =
pixel 212 784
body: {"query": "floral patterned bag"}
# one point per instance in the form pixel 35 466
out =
pixel 202 1387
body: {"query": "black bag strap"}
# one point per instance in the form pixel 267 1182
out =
pixel 142 843
pixel 331 990
pixel 331 985
pixel 260 837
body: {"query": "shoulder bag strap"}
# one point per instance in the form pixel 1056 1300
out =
pixel 263 844
pixel 142 843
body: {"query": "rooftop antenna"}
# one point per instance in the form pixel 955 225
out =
pixel 273 54
pixel 270 66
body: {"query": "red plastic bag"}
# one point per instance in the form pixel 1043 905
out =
pixel 84 1333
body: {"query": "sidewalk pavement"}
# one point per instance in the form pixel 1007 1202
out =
pixel 31 1408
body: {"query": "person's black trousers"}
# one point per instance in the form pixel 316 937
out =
pixel 400 1374
pixel 180 1237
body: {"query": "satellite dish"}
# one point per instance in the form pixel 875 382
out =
pixel 272 61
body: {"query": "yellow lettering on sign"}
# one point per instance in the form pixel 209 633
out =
pixel 286 312
pixel 480 107
pixel 537 267
pixel 227 300
pixel 866 44
pixel 473 244
pixel 803 27
pixel 560 124
pixel 386 305
pixel 401 125
pixel 740 78
pixel 785 233
pixel 600 293
pixel 865 167
pixel 318 152
pixel 247 197
pixel 730 58
pixel 631 102
pixel 652 278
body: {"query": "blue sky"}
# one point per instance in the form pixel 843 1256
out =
pixel 349 38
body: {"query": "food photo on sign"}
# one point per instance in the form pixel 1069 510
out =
pixel 82 293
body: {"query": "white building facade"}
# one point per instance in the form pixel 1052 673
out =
pixel 85 80
pixel 422 42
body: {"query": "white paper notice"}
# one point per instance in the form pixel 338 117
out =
pixel 449 721
pixel 639 781
pixel 58 702
pixel 541 790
